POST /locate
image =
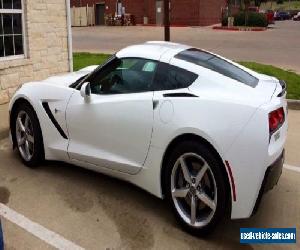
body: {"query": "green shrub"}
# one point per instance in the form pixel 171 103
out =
pixel 254 19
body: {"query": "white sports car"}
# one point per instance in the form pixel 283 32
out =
pixel 186 125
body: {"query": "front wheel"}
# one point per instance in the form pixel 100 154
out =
pixel 195 188
pixel 28 136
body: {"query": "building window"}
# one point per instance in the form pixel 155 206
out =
pixel 11 29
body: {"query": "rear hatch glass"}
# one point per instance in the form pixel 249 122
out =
pixel 217 64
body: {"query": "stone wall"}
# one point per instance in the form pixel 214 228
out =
pixel 47 47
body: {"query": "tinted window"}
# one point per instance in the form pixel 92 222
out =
pixel 130 75
pixel 218 65
pixel 171 77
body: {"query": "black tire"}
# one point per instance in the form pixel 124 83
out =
pixel 38 146
pixel 215 166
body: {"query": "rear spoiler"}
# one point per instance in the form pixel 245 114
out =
pixel 283 91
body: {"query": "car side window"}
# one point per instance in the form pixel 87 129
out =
pixel 121 76
pixel 170 77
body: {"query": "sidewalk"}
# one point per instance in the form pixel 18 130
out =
pixel 4 121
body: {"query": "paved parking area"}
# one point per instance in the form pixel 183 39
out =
pixel 94 211
pixel 279 45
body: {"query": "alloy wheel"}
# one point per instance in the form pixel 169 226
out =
pixel 25 135
pixel 194 190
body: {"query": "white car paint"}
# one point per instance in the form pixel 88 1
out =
pixel 121 125
pixel 123 136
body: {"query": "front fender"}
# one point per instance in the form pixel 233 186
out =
pixel 57 97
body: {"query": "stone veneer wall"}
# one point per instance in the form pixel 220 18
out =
pixel 47 47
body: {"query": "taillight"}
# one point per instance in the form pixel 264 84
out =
pixel 276 119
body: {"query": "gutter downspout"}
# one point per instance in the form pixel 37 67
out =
pixel 69 30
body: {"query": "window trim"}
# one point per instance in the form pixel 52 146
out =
pixel 24 42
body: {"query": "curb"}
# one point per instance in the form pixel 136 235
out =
pixel 155 25
pixel 292 104
pixel 238 28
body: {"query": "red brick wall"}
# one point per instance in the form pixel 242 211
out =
pixel 210 11
pixel 183 12
pixel 151 11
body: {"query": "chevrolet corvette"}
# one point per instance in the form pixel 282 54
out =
pixel 188 126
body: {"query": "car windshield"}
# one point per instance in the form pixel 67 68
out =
pixel 217 64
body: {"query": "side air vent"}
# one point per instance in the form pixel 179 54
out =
pixel 53 120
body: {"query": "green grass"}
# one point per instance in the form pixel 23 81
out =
pixel 291 78
pixel 81 60
pixel 294 5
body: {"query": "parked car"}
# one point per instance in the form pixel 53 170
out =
pixel 293 13
pixel 282 15
pixel 269 15
pixel 187 125
pixel 297 17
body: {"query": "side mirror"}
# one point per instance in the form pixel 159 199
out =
pixel 85 90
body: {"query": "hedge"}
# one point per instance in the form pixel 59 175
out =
pixel 254 19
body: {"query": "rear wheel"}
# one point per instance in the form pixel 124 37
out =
pixel 195 188
pixel 28 136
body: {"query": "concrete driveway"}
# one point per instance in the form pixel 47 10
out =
pixel 79 208
pixel 279 45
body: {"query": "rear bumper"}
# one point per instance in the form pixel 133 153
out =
pixel 271 178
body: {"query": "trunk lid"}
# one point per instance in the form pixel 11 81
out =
pixel 271 86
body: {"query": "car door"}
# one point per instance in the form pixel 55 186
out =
pixel 113 128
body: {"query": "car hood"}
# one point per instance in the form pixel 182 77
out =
pixel 67 79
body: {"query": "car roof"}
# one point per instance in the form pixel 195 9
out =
pixel 153 50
